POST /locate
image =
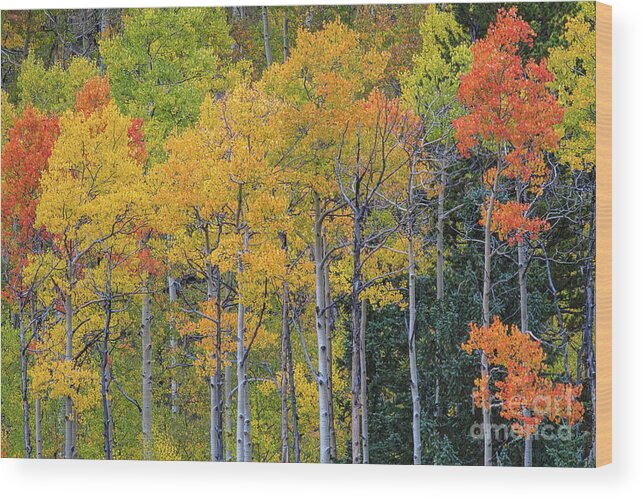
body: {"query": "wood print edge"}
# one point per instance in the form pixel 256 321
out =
pixel 603 234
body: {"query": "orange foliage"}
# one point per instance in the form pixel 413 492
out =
pixel 94 96
pixel 508 102
pixel 511 223
pixel 526 397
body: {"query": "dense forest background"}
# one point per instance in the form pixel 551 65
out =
pixel 300 234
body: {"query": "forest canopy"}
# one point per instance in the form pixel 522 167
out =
pixel 336 234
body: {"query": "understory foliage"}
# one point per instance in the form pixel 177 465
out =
pixel 300 234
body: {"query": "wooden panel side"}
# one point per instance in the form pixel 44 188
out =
pixel 603 234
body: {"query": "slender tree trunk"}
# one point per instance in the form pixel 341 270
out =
pixel 522 278
pixel 293 402
pixel 218 411
pixel 322 346
pixel 363 386
pixel 524 320
pixel 104 383
pixel 415 393
pixel 171 285
pixel 24 384
pixel 266 35
pixel 214 293
pixel 228 412
pixel 70 438
pixel 247 437
pixel 286 48
pixel 439 264
pixel 329 358
pixel 283 385
pixel 356 388
pixel 146 345
pixel 241 381
pixel 38 429
pixel 486 315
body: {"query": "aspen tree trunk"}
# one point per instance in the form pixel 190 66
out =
pixel 228 412
pixel 363 387
pixel 241 381
pixel 218 410
pixel 356 402
pixel 283 385
pixel 24 384
pixel 285 31
pixel 247 437
pixel 173 385
pixel 38 429
pixel 329 357
pixel 486 317
pixel 247 440
pixel 587 347
pixel 229 440
pixel 524 321
pixel 293 403
pixel 146 345
pixel 415 393
pixel 213 381
pixel 70 438
pixel 104 384
pixel 439 264
pixel 322 346
pixel 37 407
pixel 522 278
pixel 266 35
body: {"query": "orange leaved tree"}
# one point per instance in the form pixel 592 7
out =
pixel 509 122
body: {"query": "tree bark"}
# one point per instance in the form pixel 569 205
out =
pixel 439 264
pixel 266 35
pixel 329 358
pixel 104 383
pixel 285 32
pixel 241 381
pixel 486 315
pixel 356 388
pixel 322 346
pixel 146 345
pixel 293 402
pixel 363 386
pixel 70 449
pixel 283 385
pixel 415 394
pixel 38 410
pixel 24 384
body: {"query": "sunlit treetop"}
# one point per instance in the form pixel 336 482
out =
pixel 433 82
pixel 53 89
pixel 164 62
pixel 508 103
pixel 574 64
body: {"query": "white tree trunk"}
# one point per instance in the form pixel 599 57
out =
pixel 38 429
pixel 363 386
pixel 70 438
pixel 320 302
pixel 266 35
pixel 415 393
pixel 146 345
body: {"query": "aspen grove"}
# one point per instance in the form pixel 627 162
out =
pixel 335 234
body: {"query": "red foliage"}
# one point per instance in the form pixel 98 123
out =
pixel 137 141
pixel 511 223
pixel 526 397
pixel 508 103
pixel 24 158
pixel 94 96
